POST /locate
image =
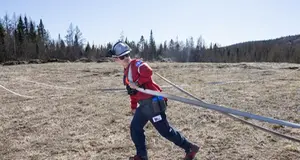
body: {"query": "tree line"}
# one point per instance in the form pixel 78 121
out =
pixel 22 39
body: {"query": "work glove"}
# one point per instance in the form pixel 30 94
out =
pixel 130 91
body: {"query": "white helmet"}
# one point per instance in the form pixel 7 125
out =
pixel 120 49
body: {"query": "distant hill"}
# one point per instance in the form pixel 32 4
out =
pixel 286 40
pixel 283 49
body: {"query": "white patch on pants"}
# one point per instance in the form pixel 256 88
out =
pixel 157 118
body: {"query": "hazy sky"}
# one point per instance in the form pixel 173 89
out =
pixel 221 21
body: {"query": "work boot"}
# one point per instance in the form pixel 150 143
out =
pixel 136 157
pixel 192 153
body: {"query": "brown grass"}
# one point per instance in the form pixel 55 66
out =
pixel 71 118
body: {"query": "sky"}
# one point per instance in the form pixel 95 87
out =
pixel 217 21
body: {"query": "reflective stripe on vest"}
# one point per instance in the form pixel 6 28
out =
pixel 130 74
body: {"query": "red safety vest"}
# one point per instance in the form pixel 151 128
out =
pixel 142 76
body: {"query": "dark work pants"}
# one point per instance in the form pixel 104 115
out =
pixel 161 124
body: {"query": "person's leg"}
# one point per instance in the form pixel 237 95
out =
pixel 162 125
pixel 137 132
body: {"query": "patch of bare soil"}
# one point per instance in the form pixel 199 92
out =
pixel 70 117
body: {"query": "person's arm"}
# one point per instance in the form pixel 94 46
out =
pixel 145 72
pixel 133 102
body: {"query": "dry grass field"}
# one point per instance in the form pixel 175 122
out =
pixel 68 117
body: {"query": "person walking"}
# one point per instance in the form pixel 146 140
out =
pixel 145 107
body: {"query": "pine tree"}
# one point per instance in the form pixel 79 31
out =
pixel 146 51
pixel 171 49
pixel 20 31
pixel 32 40
pixel 42 34
pixel 2 44
pixel 26 28
pixel 41 41
pixel 62 46
pixel 152 47
pixel 87 48
pixel 172 45
pixel 32 33
pixel 141 47
pixel 165 46
pixel 160 51
pixel 134 48
pixel 20 38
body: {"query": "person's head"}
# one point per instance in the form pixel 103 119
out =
pixel 120 52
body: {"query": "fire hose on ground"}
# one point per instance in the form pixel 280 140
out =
pixel 226 111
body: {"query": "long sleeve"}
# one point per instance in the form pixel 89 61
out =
pixel 145 72
pixel 133 102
